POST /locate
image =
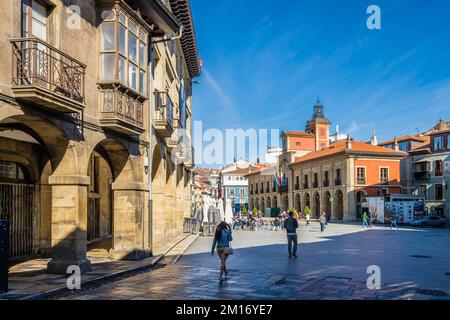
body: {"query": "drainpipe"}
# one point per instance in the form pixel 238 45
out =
pixel 150 131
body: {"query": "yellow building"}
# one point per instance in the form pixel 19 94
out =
pixel 80 87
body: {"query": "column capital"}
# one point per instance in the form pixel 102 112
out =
pixel 69 180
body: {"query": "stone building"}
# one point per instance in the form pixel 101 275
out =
pixel 88 108
pixel 335 178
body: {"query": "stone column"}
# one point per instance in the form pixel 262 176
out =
pixel 130 220
pixel 69 223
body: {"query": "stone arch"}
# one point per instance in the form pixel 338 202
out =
pixel 327 204
pixel 360 199
pixel 317 207
pixel 339 205
pixel 274 202
pixel 285 204
pixel 268 202
pixel 297 203
pixel 307 201
pixel 263 202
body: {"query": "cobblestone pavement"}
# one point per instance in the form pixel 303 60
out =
pixel 414 263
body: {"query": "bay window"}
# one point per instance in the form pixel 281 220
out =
pixel 123 51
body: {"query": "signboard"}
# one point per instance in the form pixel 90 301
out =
pixel 376 208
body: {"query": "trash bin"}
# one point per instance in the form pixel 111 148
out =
pixel 4 254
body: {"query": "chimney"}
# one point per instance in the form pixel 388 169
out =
pixel 396 147
pixel 349 142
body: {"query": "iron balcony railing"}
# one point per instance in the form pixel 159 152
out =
pixel 163 107
pixel 326 183
pixel 284 188
pixel 361 180
pixel 315 184
pixel 306 185
pixel 117 104
pixel 297 186
pixel 337 182
pixel 37 63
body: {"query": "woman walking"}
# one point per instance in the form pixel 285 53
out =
pixel 222 239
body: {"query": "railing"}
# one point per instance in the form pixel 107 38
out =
pixel 163 107
pixel 361 180
pixel 38 63
pixel 284 188
pixel 384 180
pixel 117 104
pixel 315 184
pixel 306 185
pixel 274 189
pixel 267 190
pixel 326 183
pixel 337 181
pixel 297 186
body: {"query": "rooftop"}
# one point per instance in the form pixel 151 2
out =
pixel 356 147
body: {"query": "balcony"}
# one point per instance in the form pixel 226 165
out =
pixel 306 185
pixel 297 187
pixel 284 188
pixel 361 181
pixel 274 189
pixel 173 141
pixel 315 184
pixel 422 170
pixel 121 111
pixel 338 182
pixel 163 120
pixel 47 76
pixel 326 183
pixel 267 190
pixel 189 158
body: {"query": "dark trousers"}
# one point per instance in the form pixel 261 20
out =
pixel 322 227
pixel 292 240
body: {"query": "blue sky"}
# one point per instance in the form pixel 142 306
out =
pixel 266 61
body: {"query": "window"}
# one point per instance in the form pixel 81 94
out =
pixel 34 20
pixel 438 168
pixel 298 144
pixel 384 175
pixel 361 175
pixel 11 171
pixel 423 191
pixel 439 192
pixel 125 61
pixel 403 146
pixel 438 143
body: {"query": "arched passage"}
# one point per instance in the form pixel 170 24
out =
pixel 360 203
pixel 262 204
pixel 307 202
pixel 327 200
pixel 297 203
pixel 268 203
pixel 339 205
pixel 317 207
pixel 100 200
pixel 286 203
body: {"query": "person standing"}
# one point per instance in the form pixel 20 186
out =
pixel 222 239
pixel 365 220
pixel 291 225
pixel 322 221
pixel 308 218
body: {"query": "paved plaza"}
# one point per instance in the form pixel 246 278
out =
pixel 414 264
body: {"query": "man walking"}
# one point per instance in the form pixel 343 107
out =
pixel 365 220
pixel 323 221
pixel 291 225
pixel 394 221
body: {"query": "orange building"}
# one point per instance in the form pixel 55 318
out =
pixel 335 178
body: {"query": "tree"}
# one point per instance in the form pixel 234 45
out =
pixel 307 211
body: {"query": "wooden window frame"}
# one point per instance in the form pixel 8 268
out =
pixel 142 38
